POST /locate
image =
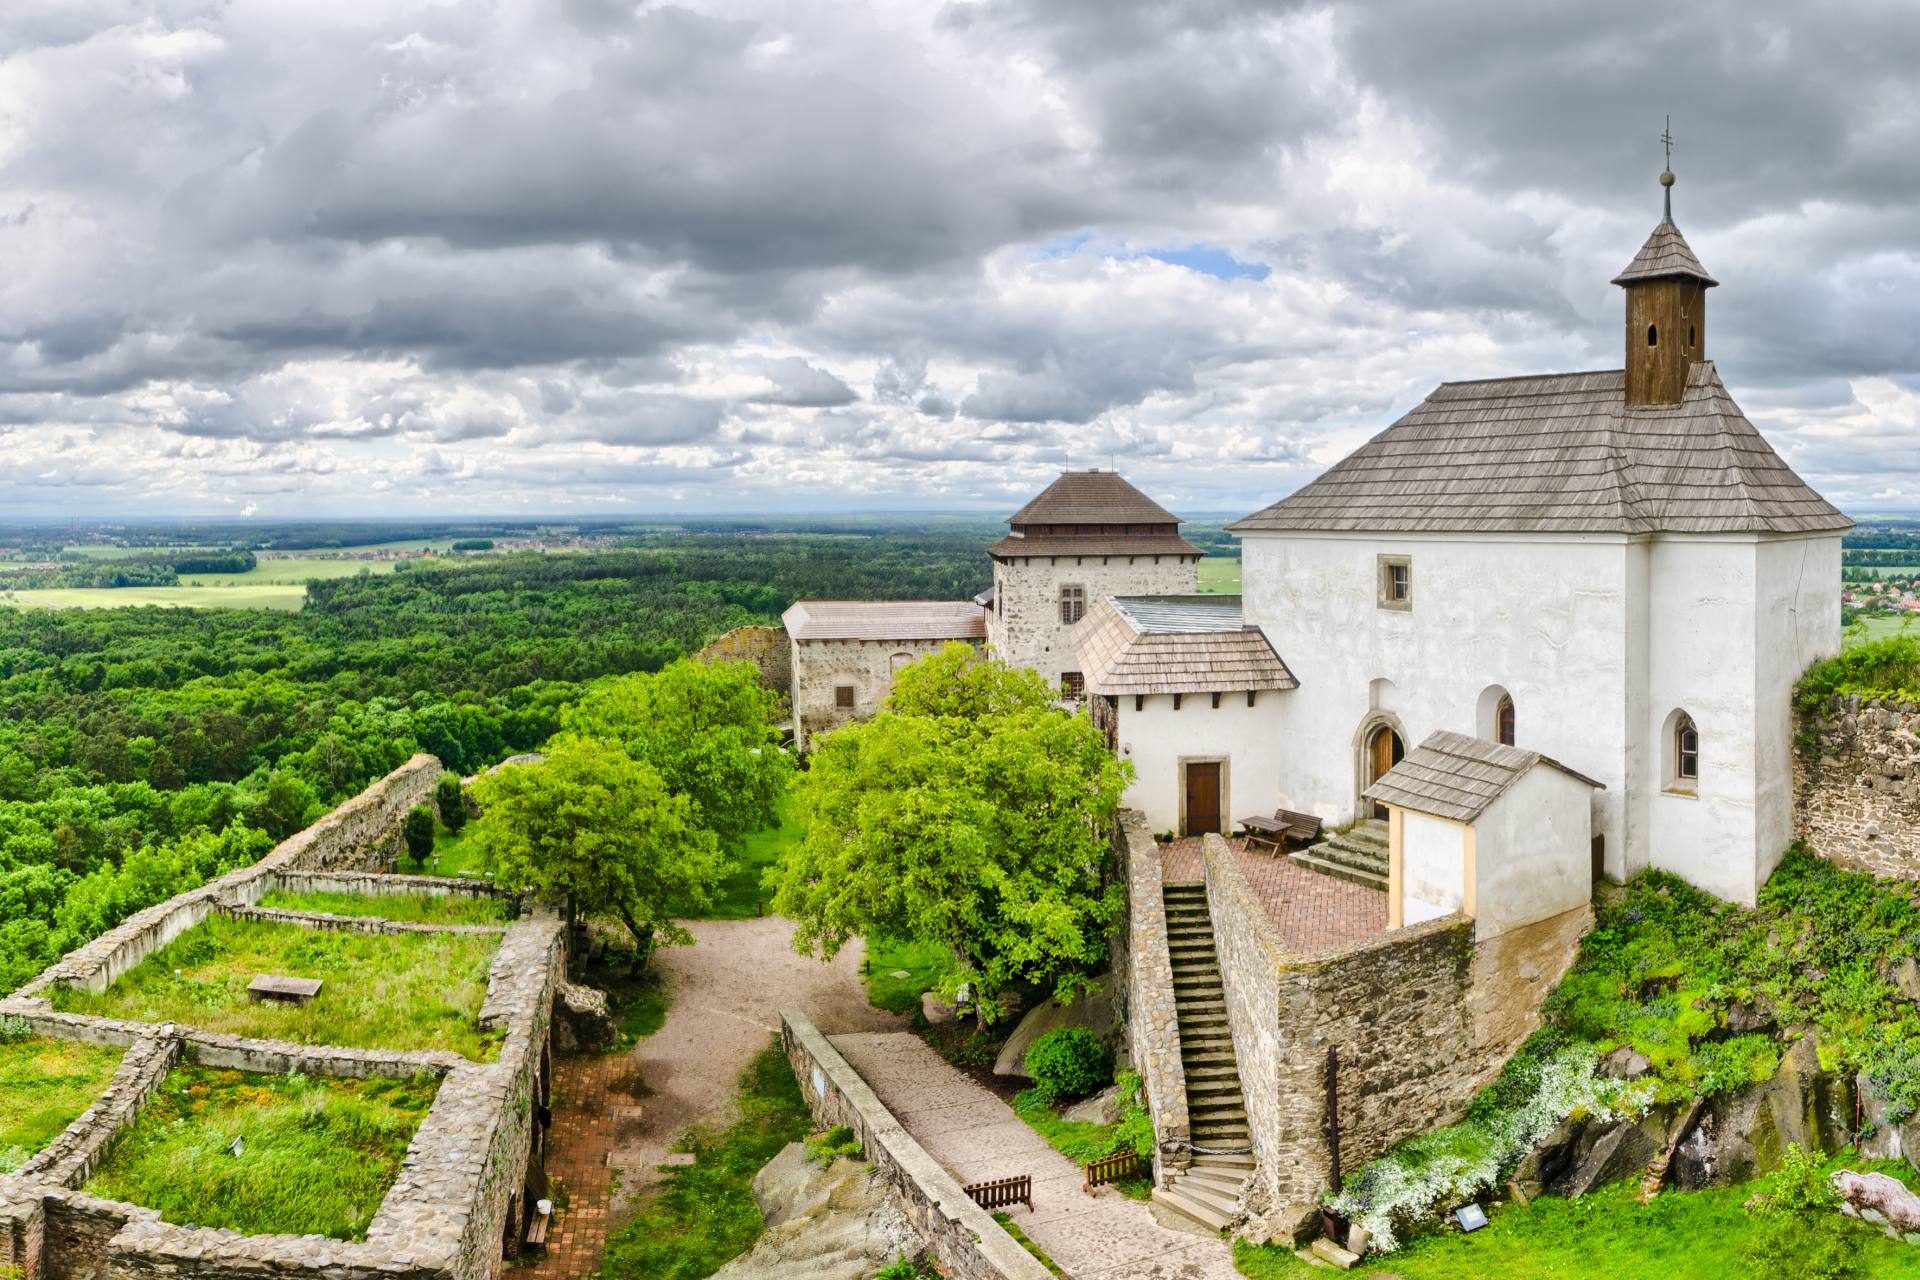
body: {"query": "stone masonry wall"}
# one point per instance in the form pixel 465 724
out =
pixel 1025 624
pixel 1142 975
pixel 767 648
pixel 969 1244
pixel 821 666
pixel 1394 1010
pixel 1857 796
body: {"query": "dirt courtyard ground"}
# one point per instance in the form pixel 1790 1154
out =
pixel 724 997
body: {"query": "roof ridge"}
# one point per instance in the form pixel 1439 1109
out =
pixel 1530 377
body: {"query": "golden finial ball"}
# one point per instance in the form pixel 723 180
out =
pixel 1666 179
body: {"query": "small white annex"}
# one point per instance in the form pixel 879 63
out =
pixel 1498 834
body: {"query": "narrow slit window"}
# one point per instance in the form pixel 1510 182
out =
pixel 1686 752
pixel 1653 335
pixel 1692 338
pixel 1503 722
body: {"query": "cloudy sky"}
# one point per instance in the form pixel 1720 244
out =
pixel 379 257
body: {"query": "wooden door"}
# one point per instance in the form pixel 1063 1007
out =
pixel 1384 751
pixel 1203 797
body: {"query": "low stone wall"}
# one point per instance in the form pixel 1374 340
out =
pixel 965 1239
pixel 368 883
pixel 767 648
pixel 1142 976
pixel 71 1158
pixel 1857 793
pixel 1394 1009
pixel 353 924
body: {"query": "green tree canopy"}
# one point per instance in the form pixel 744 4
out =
pixel 987 835
pixel 960 681
pixel 602 828
pixel 705 728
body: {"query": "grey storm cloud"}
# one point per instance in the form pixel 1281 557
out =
pixel 975 239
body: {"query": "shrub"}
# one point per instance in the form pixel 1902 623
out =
pixel 1135 1130
pixel 824 1148
pixel 901 1268
pixel 419 833
pixel 1801 1235
pixel 451 800
pixel 1068 1063
pixel 15 1030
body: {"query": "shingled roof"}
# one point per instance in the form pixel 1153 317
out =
pixel 1453 776
pixel 1560 453
pixel 1092 497
pixel 1176 644
pixel 885 620
pixel 1666 253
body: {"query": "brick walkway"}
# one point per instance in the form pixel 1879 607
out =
pixel 1313 912
pixel 586 1089
pixel 976 1136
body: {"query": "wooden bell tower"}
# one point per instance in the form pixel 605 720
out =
pixel 1666 310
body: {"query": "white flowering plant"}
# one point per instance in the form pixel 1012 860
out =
pixel 1416 1179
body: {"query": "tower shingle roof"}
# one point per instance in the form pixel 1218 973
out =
pixel 1666 253
pixel 1560 453
pixel 1092 497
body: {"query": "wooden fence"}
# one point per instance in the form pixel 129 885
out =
pixel 1121 1164
pixel 1002 1193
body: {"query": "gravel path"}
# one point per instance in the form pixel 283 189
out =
pixel 627 1110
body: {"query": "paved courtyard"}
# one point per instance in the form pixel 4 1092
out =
pixel 1313 912
pixel 1103 1236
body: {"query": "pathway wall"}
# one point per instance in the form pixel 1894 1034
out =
pixel 969 1244
pixel 1857 791
pixel 1141 972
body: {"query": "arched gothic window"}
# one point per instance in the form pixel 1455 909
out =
pixel 1503 722
pixel 1686 751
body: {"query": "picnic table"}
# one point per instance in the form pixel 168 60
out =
pixel 1284 825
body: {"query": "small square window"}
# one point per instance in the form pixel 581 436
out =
pixel 1396 582
pixel 1073 684
pixel 1073 605
pixel 843 696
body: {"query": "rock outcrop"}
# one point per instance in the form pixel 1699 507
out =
pixel 582 1019
pixel 835 1223
pixel 1092 1010
pixel 1881 1200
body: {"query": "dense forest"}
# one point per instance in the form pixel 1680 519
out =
pixel 145 750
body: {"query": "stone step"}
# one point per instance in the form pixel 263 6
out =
pixel 1192 1208
pixel 1213 1092
pixel 1181 937
pixel 1226 1111
pixel 1200 1047
pixel 1194 975
pixel 1230 1181
pixel 1224 1162
pixel 1348 856
pixel 1349 874
pixel 1223 1071
pixel 1185 888
pixel 1209 1194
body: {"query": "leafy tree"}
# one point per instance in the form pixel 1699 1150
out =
pixel 592 823
pixel 706 728
pixel 451 800
pixel 288 804
pixel 418 830
pixel 985 835
pixel 959 681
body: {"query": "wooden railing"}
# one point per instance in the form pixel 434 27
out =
pixel 1002 1193
pixel 1121 1164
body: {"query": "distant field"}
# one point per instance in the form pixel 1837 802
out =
pixel 248 596
pixel 1220 574
pixel 1878 629
pixel 106 552
pixel 290 570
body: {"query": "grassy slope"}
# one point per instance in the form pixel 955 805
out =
pixel 413 908
pixel 1609 1234
pixel 44 1086
pixel 925 964
pixel 391 992
pixel 705 1214
pixel 316 1155
pixel 1877 628
pixel 1220 574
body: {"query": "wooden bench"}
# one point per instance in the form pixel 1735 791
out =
pixel 1273 833
pixel 1002 1193
pixel 1106 1169
pixel 538 1223
pixel 271 986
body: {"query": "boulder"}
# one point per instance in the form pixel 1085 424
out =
pixel 1751 1017
pixel 822 1224
pixel 1624 1063
pixel 1104 1107
pixel 1880 1139
pixel 1881 1200
pixel 1548 1161
pixel 582 1019
pixel 936 1011
pixel 1611 1152
pixel 1905 976
pixel 1746 1134
pixel 1092 1010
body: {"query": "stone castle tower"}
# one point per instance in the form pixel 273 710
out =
pixel 1088 535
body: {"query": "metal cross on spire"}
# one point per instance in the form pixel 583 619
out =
pixel 1666 175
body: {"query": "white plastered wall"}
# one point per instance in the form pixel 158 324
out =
pixel 1157 738
pixel 1532 852
pixel 1431 880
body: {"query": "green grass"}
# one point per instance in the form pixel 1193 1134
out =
pixel 1867 630
pixel 925 963
pixel 453 852
pixel 1020 1238
pixel 412 908
pixel 704 1214
pixel 413 991
pixel 294 570
pixel 741 896
pixel 317 1155
pixel 1220 574
pixel 1077 1140
pixel 288 598
pixel 1603 1236
pixel 44 1086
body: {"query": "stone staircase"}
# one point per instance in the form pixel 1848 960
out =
pixel 1357 855
pixel 1208 1191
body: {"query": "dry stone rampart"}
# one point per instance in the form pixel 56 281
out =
pixel 1857 786
pixel 767 648
pixel 969 1244
pixel 1142 978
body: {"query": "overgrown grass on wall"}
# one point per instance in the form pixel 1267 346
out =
pixel 410 908
pixel 315 1156
pixel 1888 668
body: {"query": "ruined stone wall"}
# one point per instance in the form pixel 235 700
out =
pixel 364 833
pixel 1857 794
pixel 821 666
pixel 1394 1008
pixel 1141 972
pixel 969 1244
pixel 767 648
